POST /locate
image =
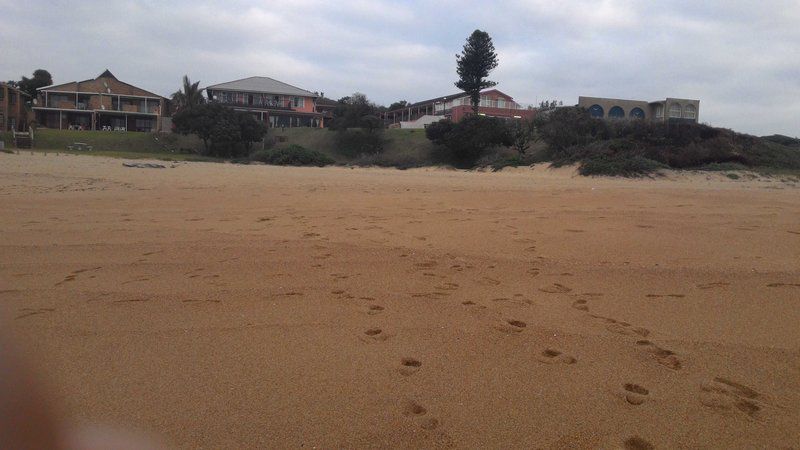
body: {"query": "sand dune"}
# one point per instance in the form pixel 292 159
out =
pixel 226 306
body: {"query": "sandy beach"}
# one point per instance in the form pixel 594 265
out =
pixel 232 306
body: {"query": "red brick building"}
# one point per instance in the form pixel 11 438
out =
pixel 102 103
pixel 13 108
pixel 457 106
pixel 271 101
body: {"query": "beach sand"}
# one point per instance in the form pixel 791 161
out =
pixel 231 306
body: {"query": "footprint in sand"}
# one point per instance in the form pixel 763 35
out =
pixel 374 309
pixel 533 271
pixel 665 295
pixel 409 366
pixel 66 279
pixel 637 443
pixel 551 356
pixel 556 288
pixel 418 412
pixel 666 358
pixel 488 281
pixel 727 396
pixel 634 394
pixel 712 285
pixel 580 305
pixel 374 335
pixel 511 326
pixel 27 312
pixel 425 264
pixel 413 409
pixel 774 285
pixel 626 329
pixel 447 286
pixel 429 295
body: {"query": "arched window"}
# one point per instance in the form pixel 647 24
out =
pixel 689 112
pixel 616 113
pixel 675 111
pixel 637 113
pixel 597 111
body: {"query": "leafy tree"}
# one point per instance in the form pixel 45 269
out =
pixel 41 78
pixel 191 95
pixel 225 133
pixel 356 111
pixel 463 143
pixel 473 65
pixel 398 105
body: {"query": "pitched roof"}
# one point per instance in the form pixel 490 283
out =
pixel 262 84
pixel 93 86
pixel 450 97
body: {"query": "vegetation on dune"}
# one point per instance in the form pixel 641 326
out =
pixel 462 144
pixel 293 155
pixel 635 148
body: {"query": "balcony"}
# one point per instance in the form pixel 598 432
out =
pixel 270 104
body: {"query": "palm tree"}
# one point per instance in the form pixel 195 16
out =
pixel 191 95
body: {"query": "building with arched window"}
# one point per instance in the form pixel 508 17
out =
pixel 671 109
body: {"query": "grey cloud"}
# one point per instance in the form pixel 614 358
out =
pixel 739 57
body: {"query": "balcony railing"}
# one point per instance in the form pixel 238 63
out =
pixel 271 104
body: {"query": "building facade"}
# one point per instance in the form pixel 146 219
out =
pixel 271 101
pixel 13 108
pixel 657 111
pixel 457 106
pixel 102 103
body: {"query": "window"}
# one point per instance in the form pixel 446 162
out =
pixel 660 111
pixel 637 113
pixel 689 112
pixel 12 98
pixel 299 102
pixel 144 124
pixel 675 111
pixel 2 93
pixel 616 112
pixel 597 111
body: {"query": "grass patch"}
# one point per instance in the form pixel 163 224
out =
pixel 117 141
pixel 732 176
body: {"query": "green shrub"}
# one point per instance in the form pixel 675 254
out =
pixel 462 144
pixel 293 155
pixel 567 129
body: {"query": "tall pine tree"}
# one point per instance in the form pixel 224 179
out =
pixel 474 64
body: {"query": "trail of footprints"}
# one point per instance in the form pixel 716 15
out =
pixel 721 394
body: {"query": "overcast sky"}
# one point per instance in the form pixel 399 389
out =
pixel 740 58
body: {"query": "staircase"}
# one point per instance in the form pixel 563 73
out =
pixel 23 140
